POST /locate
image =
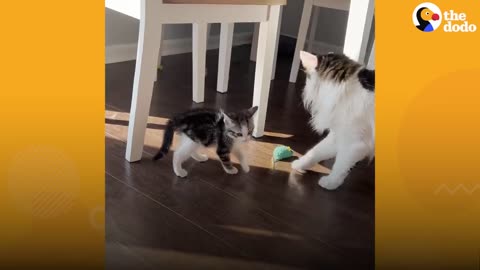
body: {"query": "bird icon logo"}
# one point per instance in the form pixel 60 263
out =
pixel 427 17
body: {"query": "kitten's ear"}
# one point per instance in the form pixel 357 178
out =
pixel 309 61
pixel 227 120
pixel 252 111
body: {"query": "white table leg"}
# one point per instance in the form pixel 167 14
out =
pixel 360 18
pixel 276 43
pixel 145 69
pixel 263 70
pixel 224 56
pixel 253 50
pixel 199 54
pixel 302 34
pixel 313 29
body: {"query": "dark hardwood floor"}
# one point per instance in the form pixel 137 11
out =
pixel 266 219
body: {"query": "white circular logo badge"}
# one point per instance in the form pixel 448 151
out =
pixel 427 17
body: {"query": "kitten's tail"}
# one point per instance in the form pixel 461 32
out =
pixel 167 140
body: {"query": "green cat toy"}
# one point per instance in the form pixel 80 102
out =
pixel 281 152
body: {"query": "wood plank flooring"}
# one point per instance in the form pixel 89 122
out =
pixel 266 219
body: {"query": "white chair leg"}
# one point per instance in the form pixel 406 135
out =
pixel 253 50
pixel 360 18
pixel 313 29
pixel 159 60
pixel 276 43
pixel 302 34
pixel 199 54
pixel 263 70
pixel 371 58
pixel 145 69
pixel 224 56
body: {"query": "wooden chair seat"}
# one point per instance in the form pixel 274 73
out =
pixel 228 2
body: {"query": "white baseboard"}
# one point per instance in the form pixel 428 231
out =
pixel 128 52
pixel 120 53
pixel 319 47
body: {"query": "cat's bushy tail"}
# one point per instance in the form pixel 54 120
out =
pixel 167 140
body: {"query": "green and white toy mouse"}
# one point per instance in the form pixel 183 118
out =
pixel 281 152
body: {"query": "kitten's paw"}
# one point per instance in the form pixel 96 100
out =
pixel 298 166
pixel 200 157
pixel 232 170
pixel 329 182
pixel 181 173
pixel 245 167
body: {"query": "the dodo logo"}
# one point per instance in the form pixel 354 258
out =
pixel 427 17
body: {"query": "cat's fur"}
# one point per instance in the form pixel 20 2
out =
pixel 340 95
pixel 207 127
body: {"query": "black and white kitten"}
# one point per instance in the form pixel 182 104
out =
pixel 340 95
pixel 208 127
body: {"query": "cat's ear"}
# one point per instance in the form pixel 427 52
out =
pixel 227 120
pixel 252 111
pixel 309 61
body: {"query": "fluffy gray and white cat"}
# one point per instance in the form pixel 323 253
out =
pixel 340 95
pixel 208 127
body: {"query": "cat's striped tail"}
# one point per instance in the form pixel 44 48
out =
pixel 167 140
